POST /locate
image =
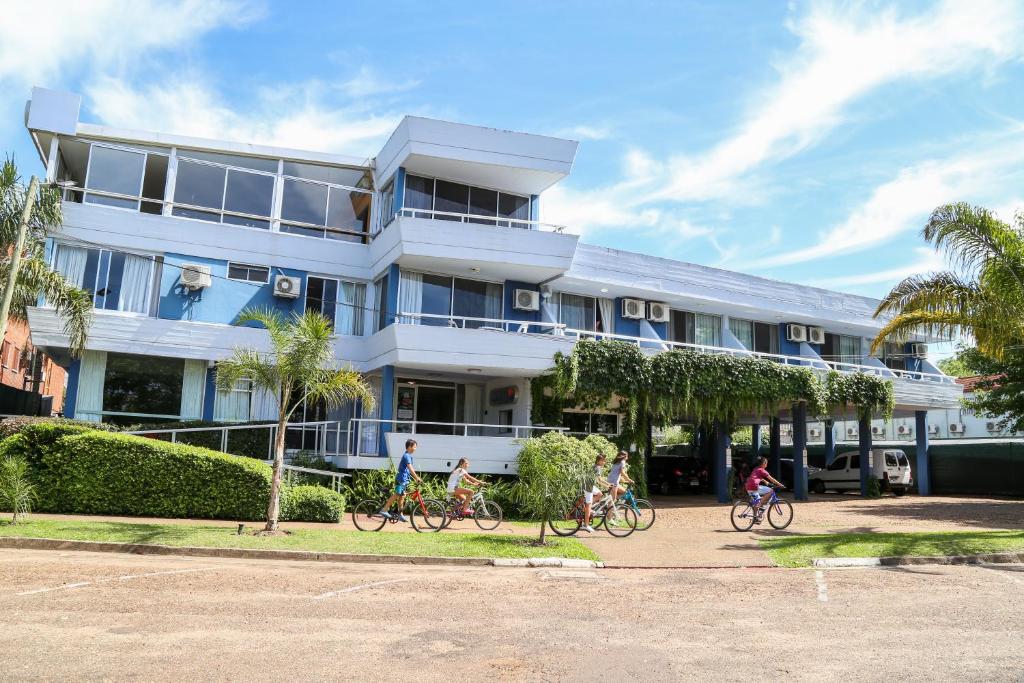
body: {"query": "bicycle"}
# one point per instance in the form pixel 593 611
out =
pixel 643 508
pixel 486 513
pixel 428 514
pixel 744 515
pixel 618 519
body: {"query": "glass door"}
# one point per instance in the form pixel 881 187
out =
pixel 435 404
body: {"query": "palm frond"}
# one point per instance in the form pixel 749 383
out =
pixel 972 237
pixel 73 305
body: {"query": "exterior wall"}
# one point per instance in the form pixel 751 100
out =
pixel 510 292
pixel 16 365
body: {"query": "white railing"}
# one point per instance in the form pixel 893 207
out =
pixel 364 433
pixel 500 221
pixel 313 436
pixel 464 322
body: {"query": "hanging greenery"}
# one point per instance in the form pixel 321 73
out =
pixel 868 394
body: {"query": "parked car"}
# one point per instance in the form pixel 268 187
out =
pixel 675 469
pixel 786 474
pixel 889 465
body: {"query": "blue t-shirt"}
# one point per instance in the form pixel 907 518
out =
pixel 403 468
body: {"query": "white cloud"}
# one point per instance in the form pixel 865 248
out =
pixel 585 132
pixel 42 39
pixel 368 82
pixel 298 116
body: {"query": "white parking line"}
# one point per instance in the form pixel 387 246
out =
pixel 126 577
pixel 353 589
pixel 819 578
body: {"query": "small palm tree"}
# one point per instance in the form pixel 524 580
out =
pixel 983 296
pixel 16 492
pixel 299 367
pixel 35 277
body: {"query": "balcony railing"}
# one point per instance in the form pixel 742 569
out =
pixel 559 330
pixel 500 221
pixel 364 433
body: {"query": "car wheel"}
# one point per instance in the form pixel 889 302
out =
pixel 899 491
pixel 818 486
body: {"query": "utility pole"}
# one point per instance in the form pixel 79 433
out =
pixel 19 246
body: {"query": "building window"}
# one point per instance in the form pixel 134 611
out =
pixel 577 312
pixel 430 198
pixel 695 328
pixel 339 301
pixel 143 385
pixel 248 273
pixel 207 188
pixel 590 423
pixel 428 299
pixel 380 303
pixel 755 336
pixel 326 202
pixel 387 204
pixel 841 348
pixel 117 281
pixel 235 404
pixel 113 175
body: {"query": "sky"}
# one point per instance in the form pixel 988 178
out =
pixel 802 141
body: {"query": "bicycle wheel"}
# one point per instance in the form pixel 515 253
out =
pixel 487 515
pixel 448 516
pixel 620 521
pixel 363 516
pixel 742 515
pixel 780 514
pixel 645 514
pixel 567 524
pixel 429 517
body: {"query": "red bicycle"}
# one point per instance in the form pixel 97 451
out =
pixel 428 514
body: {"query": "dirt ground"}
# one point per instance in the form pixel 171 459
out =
pixel 77 616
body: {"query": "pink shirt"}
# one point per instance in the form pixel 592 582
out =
pixel 754 480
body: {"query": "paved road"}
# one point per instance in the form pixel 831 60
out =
pixel 72 616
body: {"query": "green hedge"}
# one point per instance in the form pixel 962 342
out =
pixel 37 443
pixel 312 504
pixel 252 443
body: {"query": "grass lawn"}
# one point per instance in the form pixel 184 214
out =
pixel 323 540
pixel 799 551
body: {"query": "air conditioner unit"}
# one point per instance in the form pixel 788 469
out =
pixel 992 426
pixel 851 432
pixel 904 430
pixel 796 333
pixel 634 309
pixel 933 429
pixel 287 287
pixel 877 431
pixel 956 428
pixel 657 312
pixel 195 276
pixel 814 432
pixel 526 300
pixel 816 335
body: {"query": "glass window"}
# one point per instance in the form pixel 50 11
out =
pixel 223 190
pixel 255 163
pixel 477 299
pixel 387 204
pixel 143 384
pixel 766 338
pixel 199 185
pixel 249 273
pixel 304 202
pixel 743 330
pixel 514 206
pixel 419 194
pixel 838 464
pixel 577 312
pixel 602 423
pixel 380 288
pixel 351 177
pixel 451 197
pixel 249 193
pixel 840 348
pixel 707 330
pixel 437 298
pixel 902 458
pixel 117 281
pixel 483 203
pixel 680 326
pixel 117 171
pixel 347 210
pixel 855 462
pixel 890 460
pixel 576 422
pixel 340 302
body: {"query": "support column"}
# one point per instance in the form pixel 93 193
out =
pixel 830 442
pixel 721 440
pixel 755 441
pixel 864 436
pixel 387 404
pixel 800 451
pixel 775 448
pixel 921 474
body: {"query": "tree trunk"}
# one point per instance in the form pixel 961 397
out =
pixel 543 528
pixel 274 507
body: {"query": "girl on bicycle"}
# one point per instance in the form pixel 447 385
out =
pixel 618 475
pixel 591 492
pixel 458 475
pixel 756 489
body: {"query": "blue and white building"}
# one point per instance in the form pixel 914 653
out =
pixel 445 285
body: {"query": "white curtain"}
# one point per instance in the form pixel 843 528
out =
pixel 493 305
pixel 351 301
pixel 136 284
pixel 234 405
pixel 263 405
pixel 193 387
pixel 91 371
pixel 607 308
pixel 849 349
pixel 743 330
pixel 70 263
pixel 410 295
pixel 368 441
pixel 576 312
pixel 707 330
pixel 473 412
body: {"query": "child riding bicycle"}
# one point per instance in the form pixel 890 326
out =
pixel 405 472
pixel 591 492
pixel 618 475
pixel 759 493
pixel 463 495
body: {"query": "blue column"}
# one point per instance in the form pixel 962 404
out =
pixel 391 305
pixel 921 475
pixel 775 448
pixel 800 451
pixel 71 397
pixel 398 201
pixel 755 441
pixel 830 442
pixel 210 394
pixel 864 436
pixel 722 440
pixel 387 403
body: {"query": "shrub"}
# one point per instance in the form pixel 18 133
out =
pixel 10 426
pixel 374 484
pixel 312 504
pixel 36 443
pixel 251 443
pixel 16 492
pixel 552 469
pixel 100 473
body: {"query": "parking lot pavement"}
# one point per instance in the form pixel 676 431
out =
pixel 72 616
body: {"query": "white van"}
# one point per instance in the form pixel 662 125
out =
pixel 889 465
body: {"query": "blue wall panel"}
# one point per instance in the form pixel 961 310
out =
pixel 510 294
pixel 210 394
pixel 787 348
pixel 71 396
pixel 626 326
pixel 225 299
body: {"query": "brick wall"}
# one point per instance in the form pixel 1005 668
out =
pixel 16 356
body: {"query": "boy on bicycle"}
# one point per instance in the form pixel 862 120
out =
pixel 755 489
pixel 405 472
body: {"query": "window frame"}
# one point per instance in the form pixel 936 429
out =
pixel 498 219
pixel 85 190
pixel 593 323
pixel 327 210
pixel 248 267
pixel 155 274
pixel 451 292
pixel 359 317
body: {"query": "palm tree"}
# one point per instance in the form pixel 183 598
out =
pixel 35 277
pixel 299 367
pixel 983 296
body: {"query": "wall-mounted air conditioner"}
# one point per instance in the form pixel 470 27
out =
pixel 851 432
pixel 956 428
pixel 919 350
pixel 287 286
pixel 195 276
pixel 933 429
pixel 904 430
pixel 796 333
pixel 877 431
pixel 814 433
pixel 634 309
pixel 526 300
pixel 992 426
pixel 816 335
pixel 658 312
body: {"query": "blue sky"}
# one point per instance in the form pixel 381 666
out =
pixel 802 141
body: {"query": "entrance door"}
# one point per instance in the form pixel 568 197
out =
pixel 435 404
